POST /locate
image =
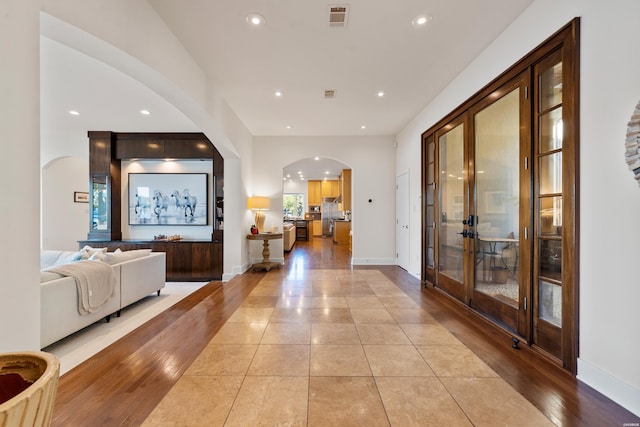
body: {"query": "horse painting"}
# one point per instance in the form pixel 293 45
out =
pixel 160 202
pixel 143 206
pixel 190 202
pixel 179 201
pixel 168 199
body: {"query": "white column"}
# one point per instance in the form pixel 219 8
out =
pixel 19 175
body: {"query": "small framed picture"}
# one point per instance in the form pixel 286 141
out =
pixel 80 197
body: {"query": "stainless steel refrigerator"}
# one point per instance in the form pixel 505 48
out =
pixel 329 212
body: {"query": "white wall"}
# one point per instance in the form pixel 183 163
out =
pixel 237 173
pixel 64 222
pixel 371 162
pixel 609 196
pixel 19 176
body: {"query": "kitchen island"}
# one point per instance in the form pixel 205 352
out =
pixel 341 230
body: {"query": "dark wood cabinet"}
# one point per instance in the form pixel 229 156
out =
pixel 164 146
pixel 187 260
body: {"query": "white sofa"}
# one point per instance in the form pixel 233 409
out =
pixel 289 236
pixel 137 274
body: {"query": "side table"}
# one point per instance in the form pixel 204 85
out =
pixel 266 263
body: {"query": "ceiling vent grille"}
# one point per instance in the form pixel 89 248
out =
pixel 338 16
pixel 330 93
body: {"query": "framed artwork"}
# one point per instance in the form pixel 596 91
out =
pixel 168 199
pixel 80 197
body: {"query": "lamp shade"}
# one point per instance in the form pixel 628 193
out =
pixel 258 203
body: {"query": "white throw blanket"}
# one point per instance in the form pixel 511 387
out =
pixel 96 282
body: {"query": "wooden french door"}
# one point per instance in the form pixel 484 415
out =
pixel 500 213
pixel 501 183
pixel 484 206
pixel 452 208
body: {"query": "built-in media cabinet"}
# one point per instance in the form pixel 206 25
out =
pixel 187 260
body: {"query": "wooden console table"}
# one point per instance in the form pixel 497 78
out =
pixel 266 263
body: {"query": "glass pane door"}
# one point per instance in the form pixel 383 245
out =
pixel 497 149
pixel 548 243
pixel 452 208
pixel 497 145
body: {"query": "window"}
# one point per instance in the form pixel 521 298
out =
pixel 293 205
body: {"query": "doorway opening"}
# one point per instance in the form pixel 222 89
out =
pixel 317 201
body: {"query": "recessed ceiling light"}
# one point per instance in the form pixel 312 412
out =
pixel 363 127
pixel 288 127
pixel 421 20
pixel 380 94
pixel 255 19
pixel 278 93
pixel 316 158
pixel 284 178
pixel 145 112
pixel 326 172
pixel 74 113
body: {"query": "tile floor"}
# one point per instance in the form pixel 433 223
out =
pixel 338 348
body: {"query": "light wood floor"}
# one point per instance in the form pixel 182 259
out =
pixel 125 382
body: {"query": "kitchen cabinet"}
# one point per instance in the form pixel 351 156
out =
pixel 341 231
pixel 345 189
pixel 314 193
pixel 330 188
pixel 317 227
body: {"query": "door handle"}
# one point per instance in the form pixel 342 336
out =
pixel 464 233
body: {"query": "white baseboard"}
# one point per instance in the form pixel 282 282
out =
pixel 235 271
pixel 373 261
pixel 614 388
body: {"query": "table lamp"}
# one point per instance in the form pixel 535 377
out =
pixel 259 204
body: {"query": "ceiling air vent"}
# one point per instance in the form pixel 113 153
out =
pixel 338 16
pixel 329 93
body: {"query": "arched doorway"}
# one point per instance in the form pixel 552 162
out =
pixel 317 196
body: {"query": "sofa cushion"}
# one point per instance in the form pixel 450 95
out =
pixel 88 252
pixel 119 256
pixel 49 258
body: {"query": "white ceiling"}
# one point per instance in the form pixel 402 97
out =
pixel 295 52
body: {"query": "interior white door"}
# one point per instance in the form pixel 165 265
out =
pixel 402 220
